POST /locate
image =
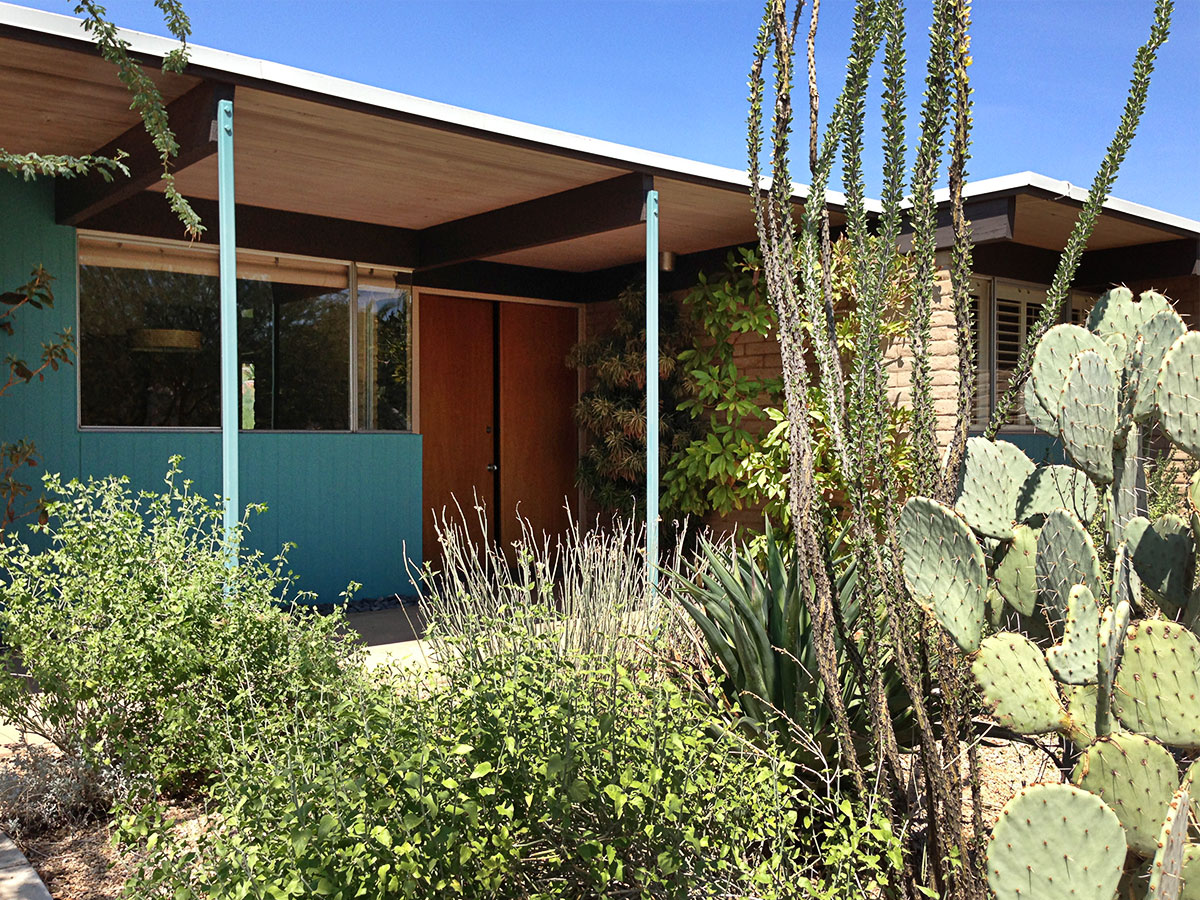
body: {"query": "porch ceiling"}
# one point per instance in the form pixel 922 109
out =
pixel 1046 222
pixel 344 162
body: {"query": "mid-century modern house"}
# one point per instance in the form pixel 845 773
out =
pixel 410 277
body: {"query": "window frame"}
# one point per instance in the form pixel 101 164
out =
pixel 352 266
pixel 994 281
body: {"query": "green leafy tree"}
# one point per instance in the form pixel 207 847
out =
pixel 742 457
pixel 612 470
pixel 26 164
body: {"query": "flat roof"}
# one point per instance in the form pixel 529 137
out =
pixel 313 143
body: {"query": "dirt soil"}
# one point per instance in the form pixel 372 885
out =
pixel 81 863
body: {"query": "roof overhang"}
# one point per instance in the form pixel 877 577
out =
pixel 424 183
pixel 389 178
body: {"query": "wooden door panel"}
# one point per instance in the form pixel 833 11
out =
pixel 538 436
pixel 457 408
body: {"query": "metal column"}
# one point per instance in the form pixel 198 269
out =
pixel 230 376
pixel 652 375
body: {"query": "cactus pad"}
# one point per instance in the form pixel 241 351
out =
pixel 989 481
pixel 1159 332
pixel 1017 687
pixel 1055 842
pixel 1116 312
pixel 1162 552
pixel 1157 688
pixel 1166 873
pixel 1016 573
pixel 1051 487
pixel 1177 394
pixel 1081 714
pixel 1191 870
pixel 1128 493
pixel 944 568
pixel 1039 417
pixel 1076 660
pixel 1066 557
pixel 1052 361
pixel 1088 415
pixel 1136 777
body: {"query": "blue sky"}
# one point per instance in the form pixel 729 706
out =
pixel 670 75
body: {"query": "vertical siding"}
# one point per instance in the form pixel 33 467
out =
pixel 350 502
pixel 43 412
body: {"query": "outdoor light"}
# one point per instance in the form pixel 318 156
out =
pixel 166 340
pixel 666 261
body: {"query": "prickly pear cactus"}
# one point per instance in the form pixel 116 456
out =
pixel 1110 667
pixel 1166 872
pixel 1136 777
pixel 1017 686
pixel 1157 689
pixel 944 568
pixel 1177 394
pixel 1055 842
pixel 1077 659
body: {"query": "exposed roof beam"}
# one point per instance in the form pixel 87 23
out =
pixel 274 230
pixel 192 118
pixel 991 220
pixel 594 208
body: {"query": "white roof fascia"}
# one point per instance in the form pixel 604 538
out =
pixel 152 45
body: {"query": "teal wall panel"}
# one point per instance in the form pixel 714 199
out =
pixel 1040 447
pixel 349 502
pixel 41 411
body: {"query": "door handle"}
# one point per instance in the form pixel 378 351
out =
pixel 492 467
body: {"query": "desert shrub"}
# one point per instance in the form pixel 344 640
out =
pixel 588 585
pixel 527 774
pixel 130 642
pixel 41 788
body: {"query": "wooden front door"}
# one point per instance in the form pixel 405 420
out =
pixel 497 426
pixel 539 440
pixel 458 403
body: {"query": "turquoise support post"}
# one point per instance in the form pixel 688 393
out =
pixel 652 477
pixel 230 380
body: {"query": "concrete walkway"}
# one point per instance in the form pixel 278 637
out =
pixel 392 636
pixel 18 881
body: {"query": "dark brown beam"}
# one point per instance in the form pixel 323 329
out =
pixel 991 220
pixel 1098 269
pixel 273 230
pixel 484 277
pixel 1166 259
pixel 192 118
pixel 594 208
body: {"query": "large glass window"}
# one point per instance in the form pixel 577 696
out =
pixel 149 349
pixel 384 344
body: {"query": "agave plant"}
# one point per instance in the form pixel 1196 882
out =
pixel 751 611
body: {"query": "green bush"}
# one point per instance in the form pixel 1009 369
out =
pixel 529 776
pixel 132 646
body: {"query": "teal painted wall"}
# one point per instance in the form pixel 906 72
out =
pixel 1041 448
pixel 350 502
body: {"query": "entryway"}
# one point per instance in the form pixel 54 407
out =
pixel 496 399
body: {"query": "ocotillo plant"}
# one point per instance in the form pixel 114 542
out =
pixel 796 264
pixel 1124 691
